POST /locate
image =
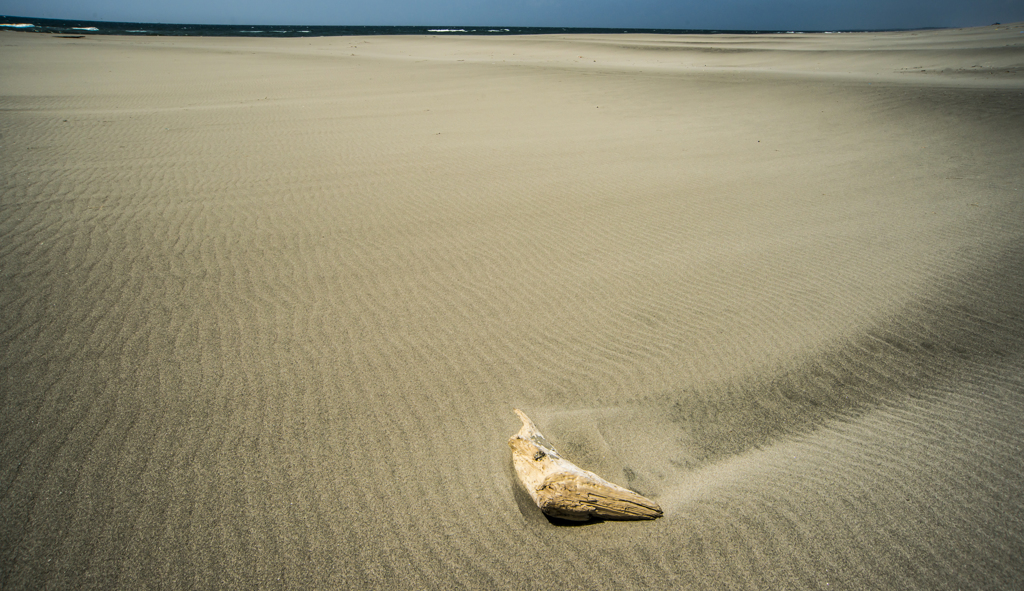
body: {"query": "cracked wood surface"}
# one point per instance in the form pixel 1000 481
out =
pixel 563 490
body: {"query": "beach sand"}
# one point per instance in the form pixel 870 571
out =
pixel 268 304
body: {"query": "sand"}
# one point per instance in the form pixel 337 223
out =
pixel 268 304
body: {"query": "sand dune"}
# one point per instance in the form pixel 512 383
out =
pixel 268 305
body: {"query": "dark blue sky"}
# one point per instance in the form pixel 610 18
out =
pixel 677 14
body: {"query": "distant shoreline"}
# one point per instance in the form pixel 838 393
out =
pixel 60 26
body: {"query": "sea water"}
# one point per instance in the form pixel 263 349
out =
pixel 68 27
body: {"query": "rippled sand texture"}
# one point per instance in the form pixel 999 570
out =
pixel 268 304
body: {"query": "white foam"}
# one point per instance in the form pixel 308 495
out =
pixel 19 26
pixel 85 28
pixel 446 30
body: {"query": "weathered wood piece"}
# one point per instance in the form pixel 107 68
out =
pixel 564 490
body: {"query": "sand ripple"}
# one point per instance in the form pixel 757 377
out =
pixel 267 307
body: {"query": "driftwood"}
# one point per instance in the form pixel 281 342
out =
pixel 564 490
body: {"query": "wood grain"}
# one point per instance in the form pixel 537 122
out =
pixel 564 490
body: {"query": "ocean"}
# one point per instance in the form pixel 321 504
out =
pixel 72 27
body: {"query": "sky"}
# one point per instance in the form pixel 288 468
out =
pixel 666 14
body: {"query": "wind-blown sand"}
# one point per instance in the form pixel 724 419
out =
pixel 268 304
